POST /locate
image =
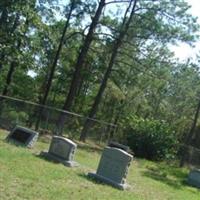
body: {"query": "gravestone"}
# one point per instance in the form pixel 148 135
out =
pixel 194 178
pixel 61 150
pixel 118 145
pixel 22 136
pixel 113 167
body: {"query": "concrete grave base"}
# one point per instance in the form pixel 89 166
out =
pixel 108 181
pixel 50 156
pixel 194 178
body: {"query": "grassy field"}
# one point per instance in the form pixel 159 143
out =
pixel 24 175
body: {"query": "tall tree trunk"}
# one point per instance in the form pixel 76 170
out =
pixel 113 130
pixel 16 23
pixel 12 30
pixel 81 58
pixel 3 18
pixel 116 46
pixel 189 137
pixel 14 63
pixel 1 60
pixel 11 70
pixel 3 22
pixel 111 110
pixel 48 82
pixel 75 83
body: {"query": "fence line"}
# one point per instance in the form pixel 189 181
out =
pixel 58 110
pixel 191 155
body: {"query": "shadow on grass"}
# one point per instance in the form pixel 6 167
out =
pixel 94 180
pixel 14 143
pixel 172 176
pixel 85 176
pixel 46 158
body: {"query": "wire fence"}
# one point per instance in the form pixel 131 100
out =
pixel 191 155
pixel 15 111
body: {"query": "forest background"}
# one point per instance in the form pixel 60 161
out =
pixel 107 60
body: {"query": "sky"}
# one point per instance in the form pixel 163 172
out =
pixel 184 51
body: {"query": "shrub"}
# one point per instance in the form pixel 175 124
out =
pixel 151 139
pixel 17 117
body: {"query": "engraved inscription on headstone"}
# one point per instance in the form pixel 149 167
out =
pixel 22 136
pixel 113 167
pixel 61 150
pixel 194 178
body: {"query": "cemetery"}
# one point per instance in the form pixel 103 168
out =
pixel 99 174
pixel 99 100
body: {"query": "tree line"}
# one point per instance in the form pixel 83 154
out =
pixel 106 59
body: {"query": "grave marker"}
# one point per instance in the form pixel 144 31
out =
pixel 61 150
pixel 113 167
pixel 194 178
pixel 22 136
pixel 118 145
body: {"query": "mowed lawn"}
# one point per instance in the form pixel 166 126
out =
pixel 24 175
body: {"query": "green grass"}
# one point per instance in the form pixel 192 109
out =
pixel 24 175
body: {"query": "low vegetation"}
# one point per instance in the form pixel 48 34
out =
pixel 151 139
pixel 24 175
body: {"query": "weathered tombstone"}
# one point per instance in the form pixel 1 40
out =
pixel 61 150
pixel 113 167
pixel 194 178
pixel 22 136
pixel 118 145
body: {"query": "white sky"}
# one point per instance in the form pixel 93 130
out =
pixel 184 51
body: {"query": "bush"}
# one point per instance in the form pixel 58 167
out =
pixel 17 117
pixel 151 139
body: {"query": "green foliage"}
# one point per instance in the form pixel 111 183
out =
pixel 46 180
pixel 17 117
pixel 151 139
pixel 146 80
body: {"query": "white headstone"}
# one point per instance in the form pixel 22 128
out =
pixel 61 150
pixel 113 167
